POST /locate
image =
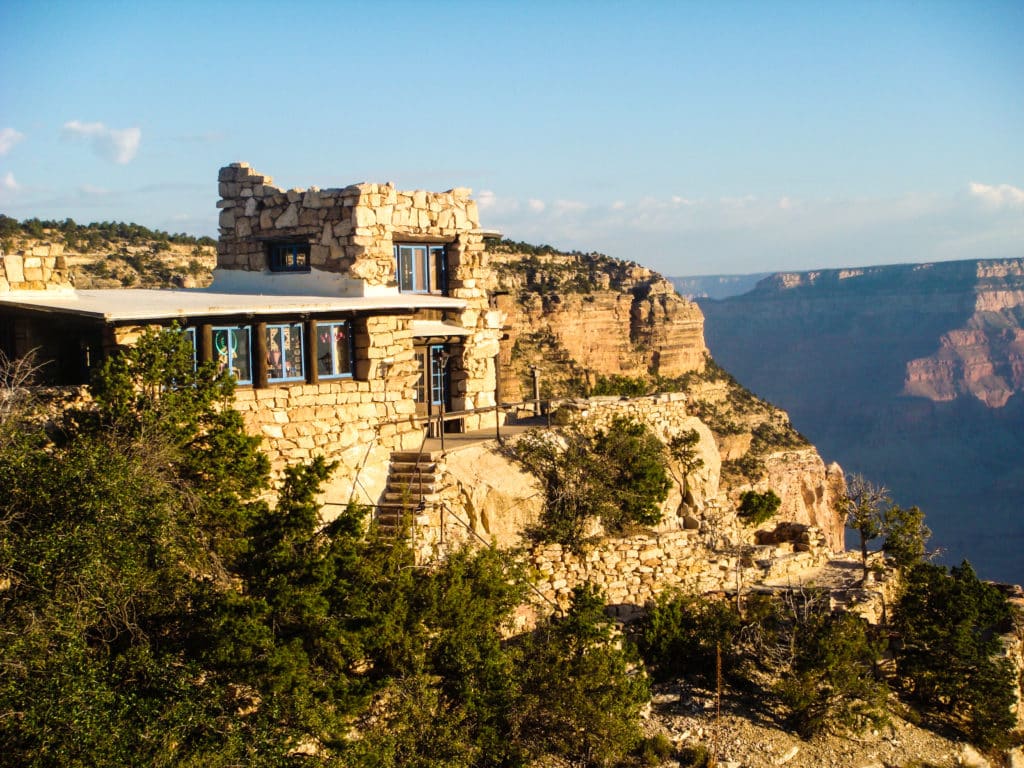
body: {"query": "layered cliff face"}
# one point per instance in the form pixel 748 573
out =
pixel 984 358
pixel 581 317
pixel 909 374
pixel 586 315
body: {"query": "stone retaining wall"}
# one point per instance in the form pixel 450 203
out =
pixel 633 571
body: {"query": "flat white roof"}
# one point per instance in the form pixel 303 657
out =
pixel 126 304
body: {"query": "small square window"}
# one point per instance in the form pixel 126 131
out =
pixel 334 350
pixel 288 257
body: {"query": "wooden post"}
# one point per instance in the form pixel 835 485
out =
pixel 259 368
pixel 205 343
pixel 312 352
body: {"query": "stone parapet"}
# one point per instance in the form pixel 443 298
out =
pixel 40 268
pixel 350 230
pixel 633 571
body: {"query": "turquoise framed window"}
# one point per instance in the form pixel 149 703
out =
pixel 232 349
pixel 285 352
pixel 334 349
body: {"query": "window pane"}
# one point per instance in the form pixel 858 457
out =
pixel 190 334
pixel 342 356
pixel 285 354
pixel 324 361
pixel 275 355
pixel 436 375
pixel 231 351
pixel 405 268
pixel 422 269
pixel 438 268
pixel 222 348
pixel 334 349
pixel 419 393
pixel 240 362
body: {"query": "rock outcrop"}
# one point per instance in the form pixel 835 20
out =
pixel 593 316
pixel 984 358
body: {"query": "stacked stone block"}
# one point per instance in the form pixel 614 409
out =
pixel 41 268
pixel 633 571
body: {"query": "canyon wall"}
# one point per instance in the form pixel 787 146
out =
pixel 593 316
pixel 909 374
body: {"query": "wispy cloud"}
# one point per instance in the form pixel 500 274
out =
pixel 8 138
pixel 9 183
pixel 486 199
pixel 998 195
pixel 744 233
pixel 91 190
pixel 568 206
pixel 115 145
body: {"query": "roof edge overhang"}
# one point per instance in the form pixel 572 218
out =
pixel 121 305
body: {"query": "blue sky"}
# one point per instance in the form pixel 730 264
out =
pixel 694 138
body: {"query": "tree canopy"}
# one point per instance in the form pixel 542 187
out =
pixel 155 610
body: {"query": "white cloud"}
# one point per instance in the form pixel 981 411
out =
pixel 8 138
pixel 619 205
pixel 91 190
pixel 9 182
pixel 116 145
pixel 998 195
pixel 537 206
pixel 569 206
pixel 485 199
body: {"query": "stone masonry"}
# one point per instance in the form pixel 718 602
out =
pixel 42 268
pixel 351 232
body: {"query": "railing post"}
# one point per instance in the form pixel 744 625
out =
pixel 440 423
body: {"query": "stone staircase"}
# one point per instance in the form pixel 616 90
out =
pixel 412 490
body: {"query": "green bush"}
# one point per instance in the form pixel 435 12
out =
pixel 618 475
pixel 696 756
pixel 623 386
pixel 656 749
pixel 832 682
pixel 756 508
pixel 948 658
pixel 683 634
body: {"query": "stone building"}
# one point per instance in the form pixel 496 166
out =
pixel 350 318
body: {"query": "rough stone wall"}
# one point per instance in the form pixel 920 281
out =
pixel 356 421
pixel 352 232
pixel 633 571
pixel 41 268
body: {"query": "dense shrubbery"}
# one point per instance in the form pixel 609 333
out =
pixel 154 611
pixel 824 666
pixel 617 475
pixel 949 657
pixel 623 386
